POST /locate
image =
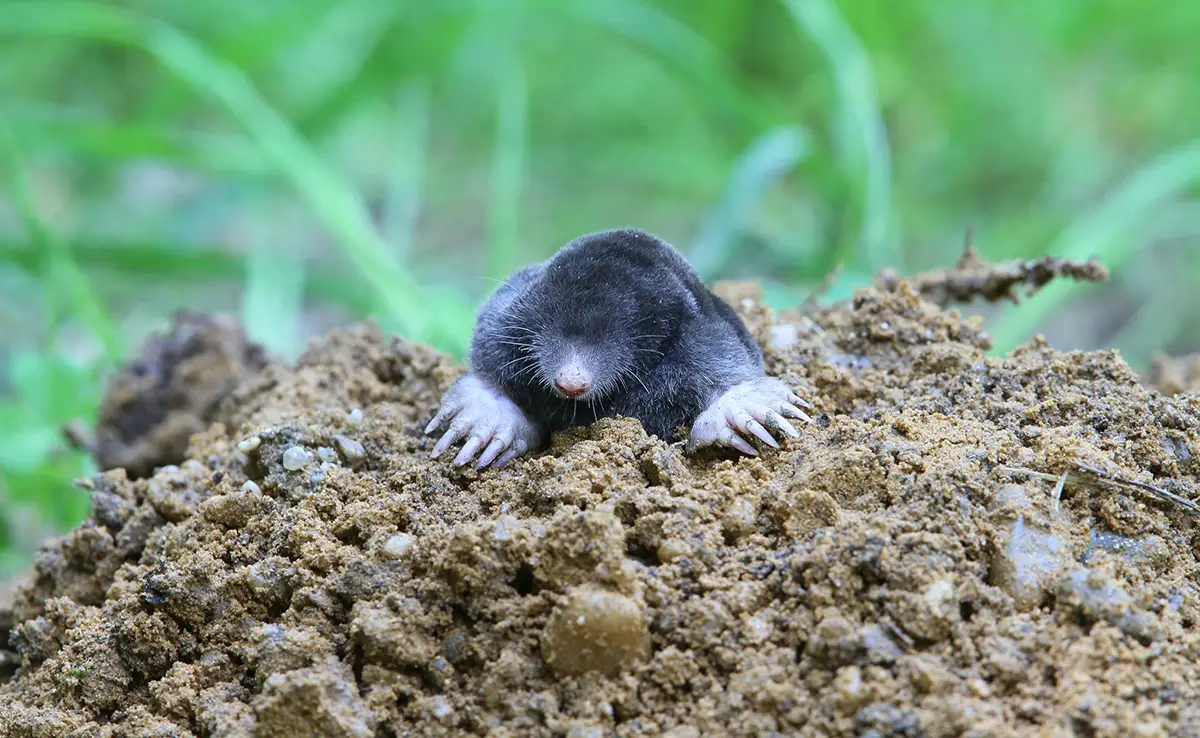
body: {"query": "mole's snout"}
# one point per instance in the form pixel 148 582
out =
pixel 572 380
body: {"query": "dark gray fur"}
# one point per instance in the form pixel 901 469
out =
pixel 662 345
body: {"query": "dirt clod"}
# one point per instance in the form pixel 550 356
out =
pixel 595 630
pixel 172 389
pixel 908 567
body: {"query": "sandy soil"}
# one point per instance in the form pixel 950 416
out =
pixel 909 567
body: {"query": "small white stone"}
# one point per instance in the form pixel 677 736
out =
pixel 295 458
pixel 784 335
pixel 398 544
pixel 757 629
pixel 249 487
pixel 352 450
pixel 440 706
pixel 326 454
pixel 355 417
pixel 503 530
pixel 249 444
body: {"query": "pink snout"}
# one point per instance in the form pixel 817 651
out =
pixel 572 381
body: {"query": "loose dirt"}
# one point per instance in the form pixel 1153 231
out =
pixel 909 567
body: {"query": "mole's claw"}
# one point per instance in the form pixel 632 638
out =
pixel 775 421
pixel 750 425
pixel 487 418
pixel 518 448
pixel 794 412
pixel 758 408
pixel 491 452
pixel 736 441
pixel 795 399
pixel 437 421
pixel 469 449
pixel 456 431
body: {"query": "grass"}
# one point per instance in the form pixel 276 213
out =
pixel 306 162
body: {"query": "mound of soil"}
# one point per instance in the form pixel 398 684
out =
pixel 958 545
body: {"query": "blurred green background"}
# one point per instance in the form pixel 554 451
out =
pixel 306 162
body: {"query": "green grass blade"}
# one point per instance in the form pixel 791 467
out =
pixel 774 154
pixel 508 165
pixel 146 261
pixel 90 134
pixel 71 288
pixel 327 194
pixel 1168 310
pixel 689 53
pixel 404 194
pixel 273 296
pixel 861 134
pixel 1102 233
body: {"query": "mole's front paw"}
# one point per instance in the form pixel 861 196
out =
pixel 487 419
pixel 758 408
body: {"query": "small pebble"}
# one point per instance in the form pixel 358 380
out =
pixel 505 525
pixel 672 549
pixel 249 444
pixel 355 417
pixel 1028 558
pixel 295 458
pixel 756 630
pixel 250 487
pixel 440 707
pixel 350 449
pixel 326 455
pixel 397 545
pixel 1027 562
pixel 783 335
pixel 848 688
pixel 738 521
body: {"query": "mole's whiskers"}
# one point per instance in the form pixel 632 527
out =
pixel 633 374
pixel 518 344
pixel 510 362
pixel 532 366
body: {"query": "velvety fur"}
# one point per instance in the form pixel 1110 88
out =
pixel 659 345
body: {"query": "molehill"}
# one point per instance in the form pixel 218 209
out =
pixel 958 545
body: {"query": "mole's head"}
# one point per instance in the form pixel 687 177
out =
pixel 599 324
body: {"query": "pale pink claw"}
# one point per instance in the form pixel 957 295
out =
pixel 488 419
pixel 758 408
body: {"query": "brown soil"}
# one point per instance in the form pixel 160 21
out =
pixel 172 390
pixel 1174 375
pixel 891 573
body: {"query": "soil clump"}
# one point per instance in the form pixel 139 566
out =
pixel 173 389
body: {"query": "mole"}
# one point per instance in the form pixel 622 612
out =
pixel 615 323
